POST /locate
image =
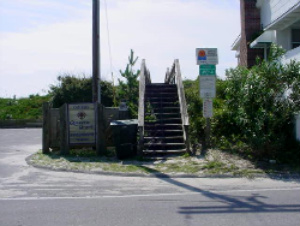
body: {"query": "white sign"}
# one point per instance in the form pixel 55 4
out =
pixel 207 86
pixel 207 56
pixel 82 123
pixel 207 108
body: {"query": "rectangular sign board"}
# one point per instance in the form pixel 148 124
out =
pixel 82 123
pixel 207 108
pixel 207 69
pixel 207 86
pixel 207 56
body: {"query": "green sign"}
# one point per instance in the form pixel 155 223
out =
pixel 207 69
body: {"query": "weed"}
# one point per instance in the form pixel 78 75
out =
pixel 213 165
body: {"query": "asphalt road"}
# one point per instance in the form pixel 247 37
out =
pixel 31 196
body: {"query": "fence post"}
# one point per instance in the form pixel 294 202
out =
pixel 64 141
pixel 207 131
pixel 141 140
pixel 297 125
pixel 100 136
pixel 46 128
pixel 187 139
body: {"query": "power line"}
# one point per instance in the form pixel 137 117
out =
pixel 109 51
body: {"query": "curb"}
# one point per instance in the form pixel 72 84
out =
pixel 165 175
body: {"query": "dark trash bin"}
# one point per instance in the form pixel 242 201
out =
pixel 125 137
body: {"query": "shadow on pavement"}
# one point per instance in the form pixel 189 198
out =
pixel 228 203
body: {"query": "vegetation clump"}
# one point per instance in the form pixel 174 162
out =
pixel 254 111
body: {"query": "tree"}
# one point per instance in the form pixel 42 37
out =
pixel 129 90
pixel 74 89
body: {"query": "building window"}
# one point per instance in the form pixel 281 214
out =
pixel 295 38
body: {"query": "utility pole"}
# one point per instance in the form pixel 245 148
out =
pixel 96 52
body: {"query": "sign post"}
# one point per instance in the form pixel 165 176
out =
pixel 207 59
pixel 207 108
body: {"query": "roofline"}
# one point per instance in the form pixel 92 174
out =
pixel 293 8
pixel 236 42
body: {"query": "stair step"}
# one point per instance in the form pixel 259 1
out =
pixel 162 103
pixel 162 121
pixel 160 84
pixel 162 98
pixel 152 126
pixel 166 110
pixel 175 139
pixel 161 88
pixel 161 91
pixel 165 151
pixel 164 115
pixel 164 146
pixel 161 95
pixel 166 133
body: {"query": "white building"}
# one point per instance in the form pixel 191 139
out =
pixel 280 24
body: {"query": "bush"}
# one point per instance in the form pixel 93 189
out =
pixel 259 103
pixel 75 89
pixel 22 108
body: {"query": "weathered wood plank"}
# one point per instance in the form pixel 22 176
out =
pixel 46 128
pixel 64 141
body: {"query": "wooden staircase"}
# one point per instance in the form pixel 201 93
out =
pixel 163 132
pixel 162 117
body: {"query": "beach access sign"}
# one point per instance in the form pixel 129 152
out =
pixel 207 56
pixel 207 59
pixel 82 123
pixel 207 86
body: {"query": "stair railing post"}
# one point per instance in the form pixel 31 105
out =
pixel 144 78
pixel 182 103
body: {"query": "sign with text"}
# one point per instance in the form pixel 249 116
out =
pixel 82 123
pixel 207 69
pixel 207 56
pixel 207 86
pixel 207 108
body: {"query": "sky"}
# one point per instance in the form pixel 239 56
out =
pixel 43 39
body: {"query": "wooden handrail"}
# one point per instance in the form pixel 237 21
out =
pixel 145 79
pixel 174 77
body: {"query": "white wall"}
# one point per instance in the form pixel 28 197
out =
pixel 293 54
pixel 273 9
pixel 283 38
